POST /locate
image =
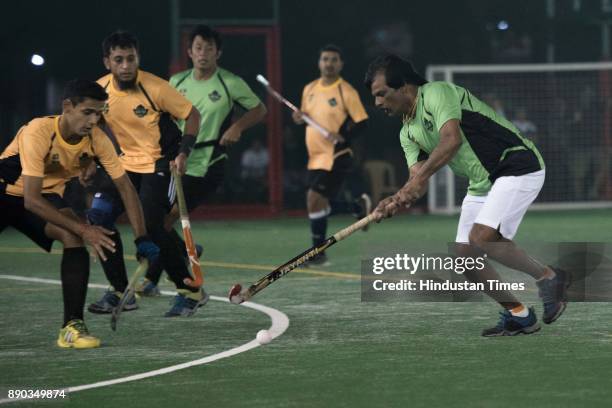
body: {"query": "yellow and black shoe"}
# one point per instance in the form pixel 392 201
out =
pixel 76 335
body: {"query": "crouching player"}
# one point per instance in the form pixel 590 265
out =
pixel 34 169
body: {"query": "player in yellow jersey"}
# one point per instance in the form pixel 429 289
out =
pixel 335 104
pixel 34 169
pixel 138 118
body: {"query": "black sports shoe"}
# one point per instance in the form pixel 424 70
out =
pixel 109 301
pixel 317 261
pixel 510 325
pixel 553 293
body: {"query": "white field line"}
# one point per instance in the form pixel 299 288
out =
pixel 280 323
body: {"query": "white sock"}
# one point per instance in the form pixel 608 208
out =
pixel 523 313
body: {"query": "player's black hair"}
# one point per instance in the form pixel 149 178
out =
pixel 207 34
pixel 398 72
pixel 331 48
pixel 78 89
pixel 121 39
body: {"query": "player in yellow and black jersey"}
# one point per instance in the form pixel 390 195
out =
pixel 34 169
pixel 335 104
pixel 138 118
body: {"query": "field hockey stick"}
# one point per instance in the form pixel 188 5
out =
pixel 127 294
pixel 237 295
pixel 196 270
pixel 310 121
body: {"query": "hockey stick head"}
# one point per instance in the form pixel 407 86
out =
pixel 235 296
pixel 263 80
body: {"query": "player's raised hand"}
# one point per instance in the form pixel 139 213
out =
pixel 298 117
pixel 98 238
pixel 231 136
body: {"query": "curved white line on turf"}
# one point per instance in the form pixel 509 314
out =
pixel 280 323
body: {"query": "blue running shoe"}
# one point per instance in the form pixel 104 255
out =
pixel 553 293
pixel 510 325
pixel 109 301
pixel 148 289
pixel 186 306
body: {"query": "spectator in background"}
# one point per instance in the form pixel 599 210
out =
pixel 494 102
pixel 254 163
pixel 254 172
pixel 586 144
pixel 524 124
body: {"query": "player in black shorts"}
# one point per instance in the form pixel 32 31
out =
pixel 34 169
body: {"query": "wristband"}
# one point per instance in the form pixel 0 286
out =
pixel 187 143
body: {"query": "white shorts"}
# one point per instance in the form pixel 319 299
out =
pixel 504 207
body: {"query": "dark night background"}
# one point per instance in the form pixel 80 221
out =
pixel 68 35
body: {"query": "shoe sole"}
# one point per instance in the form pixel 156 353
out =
pixel 73 346
pixel 201 303
pixel 526 330
pixel 557 315
pixel 94 310
pixel 568 283
pixel 148 294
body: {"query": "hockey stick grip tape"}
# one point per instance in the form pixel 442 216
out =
pixel 340 235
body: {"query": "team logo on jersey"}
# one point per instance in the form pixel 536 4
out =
pixel 140 111
pixel 214 96
pixel 84 160
pixel 53 164
pixel 428 125
pixel 333 102
pixel 183 91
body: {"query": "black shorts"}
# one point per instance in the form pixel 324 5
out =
pixel 152 189
pixel 329 183
pixel 14 214
pixel 198 190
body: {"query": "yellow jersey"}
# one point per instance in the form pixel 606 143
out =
pixel 330 106
pixel 41 151
pixel 135 122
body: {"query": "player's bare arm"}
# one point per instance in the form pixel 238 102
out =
pixel 248 120
pixel 450 142
pixel 95 236
pixel 133 207
pixel 192 127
